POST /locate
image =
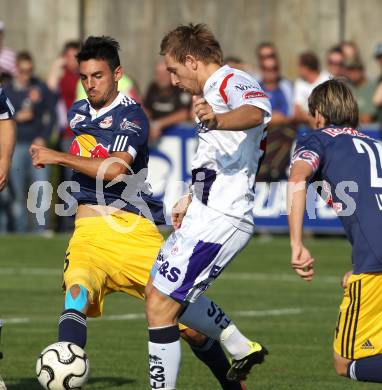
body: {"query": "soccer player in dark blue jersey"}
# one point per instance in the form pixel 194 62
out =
pixel 116 240
pixel 346 166
pixel 7 137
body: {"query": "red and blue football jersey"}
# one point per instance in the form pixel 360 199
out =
pixel 349 166
pixel 119 127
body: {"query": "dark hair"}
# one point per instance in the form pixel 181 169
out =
pixel 335 49
pixel 100 48
pixel 196 40
pixel 310 61
pixel 71 45
pixel 335 101
pixel 24 56
pixel 263 44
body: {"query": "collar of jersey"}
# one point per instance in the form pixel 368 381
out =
pixel 96 114
pixel 214 76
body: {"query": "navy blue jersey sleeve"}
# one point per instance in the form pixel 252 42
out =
pixel 310 150
pixel 6 108
pixel 132 132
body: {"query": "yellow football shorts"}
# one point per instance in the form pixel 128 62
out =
pixel 359 327
pixel 110 254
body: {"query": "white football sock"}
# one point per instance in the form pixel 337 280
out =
pixel 164 359
pixel 237 345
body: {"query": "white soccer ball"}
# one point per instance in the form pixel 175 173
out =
pixel 62 366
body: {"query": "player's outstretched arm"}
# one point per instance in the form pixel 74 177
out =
pixel 242 118
pixel 301 261
pixel 120 163
pixel 7 145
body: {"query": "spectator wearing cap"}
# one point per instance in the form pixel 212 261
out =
pixel 165 104
pixel 7 57
pixel 335 62
pixel 363 90
pixel 310 76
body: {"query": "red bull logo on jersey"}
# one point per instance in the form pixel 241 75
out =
pixel 106 122
pixel 86 145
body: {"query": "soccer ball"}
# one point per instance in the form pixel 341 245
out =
pixel 62 366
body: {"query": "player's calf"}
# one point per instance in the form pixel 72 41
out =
pixel 72 323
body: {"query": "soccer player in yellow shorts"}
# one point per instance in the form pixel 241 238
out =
pixel 344 157
pixel 116 240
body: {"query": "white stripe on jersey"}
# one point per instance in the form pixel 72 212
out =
pixel 10 106
pixel 124 143
pixel 116 142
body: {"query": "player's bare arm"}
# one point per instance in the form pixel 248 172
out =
pixel 241 118
pixel 7 144
pixel 42 156
pixel 180 210
pixel 301 261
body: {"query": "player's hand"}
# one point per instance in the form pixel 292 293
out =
pixel 180 210
pixel 4 170
pixel 302 262
pixel 42 156
pixel 344 281
pixel 204 112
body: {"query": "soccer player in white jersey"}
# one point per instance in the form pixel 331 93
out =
pixel 232 112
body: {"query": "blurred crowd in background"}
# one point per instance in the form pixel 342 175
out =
pixel 41 107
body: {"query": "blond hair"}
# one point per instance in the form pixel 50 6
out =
pixel 196 40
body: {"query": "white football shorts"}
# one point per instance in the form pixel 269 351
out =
pixel 194 255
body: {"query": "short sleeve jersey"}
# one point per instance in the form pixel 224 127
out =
pixel 349 165
pixel 226 162
pixel 6 108
pixel 119 127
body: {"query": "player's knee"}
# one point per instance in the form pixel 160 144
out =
pixel 76 298
pixel 341 365
pixel 193 337
pixel 161 310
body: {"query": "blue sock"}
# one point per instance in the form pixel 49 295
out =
pixel 367 369
pixel 212 355
pixel 72 327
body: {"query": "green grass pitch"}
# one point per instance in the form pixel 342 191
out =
pixel 294 319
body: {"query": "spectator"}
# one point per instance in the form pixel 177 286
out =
pixel 263 51
pixel 165 104
pixel 335 62
pixel 7 58
pixel 279 91
pixel 280 133
pixel 378 57
pixel 377 99
pixel 62 81
pixel 363 90
pixel 309 77
pixel 34 116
